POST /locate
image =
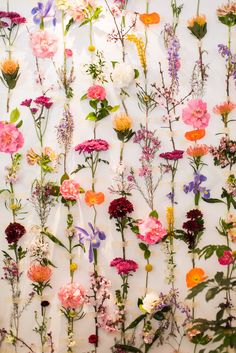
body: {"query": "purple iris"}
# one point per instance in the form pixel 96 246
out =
pixel 41 11
pixel 94 238
pixel 195 186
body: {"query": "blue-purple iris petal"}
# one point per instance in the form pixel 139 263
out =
pixel 34 10
pixel 83 231
pixel 101 235
pixel 37 19
pixel 91 227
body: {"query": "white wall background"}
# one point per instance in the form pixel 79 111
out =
pixel 26 87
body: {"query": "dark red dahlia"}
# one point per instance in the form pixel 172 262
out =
pixel 119 208
pixel 193 214
pixel 14 232
pixel 93 339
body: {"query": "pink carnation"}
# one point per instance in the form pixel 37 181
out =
pixel 227 258
pixel 70 189
pixel 44 44
pixel 72 295
pixel 196 114
pixel 124 267
pixel 90 146
pixel 11 139
pixel 96 92
pixel 151 230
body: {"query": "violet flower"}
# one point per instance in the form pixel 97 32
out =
pixel 195 186
pixel 41 12
pixel 94 238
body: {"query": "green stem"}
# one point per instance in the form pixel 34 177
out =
pixel 198 7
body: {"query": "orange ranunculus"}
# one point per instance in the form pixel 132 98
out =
pixel 197 150
pixel 94 198
pixel 195 276
pixel 195 135
pixel 150 18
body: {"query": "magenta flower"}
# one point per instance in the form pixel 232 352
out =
pixel 11 139
pixel 96 92
pixel 124 267
pixel 226 259
pixel 172 156
pixel 90 146
pixel 196 114
pixel 72 295
pixel 43 44
pixel 151 231
pixel 43 101
pixel 26 103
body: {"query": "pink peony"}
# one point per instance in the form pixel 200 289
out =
pixel 227 258
pixel 44 44
pixel 11 139
pixel 151 230
pixel 90 146
pixel 72 295
pixel 96 92
pixel 196 114
pixel 70 189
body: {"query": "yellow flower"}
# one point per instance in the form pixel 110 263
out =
pixel 9 66
pixel 148 268
pixel 170 218
pixel 48 151
pixel 91 48
pixel 32 157
pixel 140 48
pixel 73 267
pixel 200 20
pixel 122 122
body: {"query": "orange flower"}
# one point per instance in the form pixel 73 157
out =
pixel 94 198
pixel 195 135
pixel 39 273
pixel 197 150
pixel 224 108
pixel 150 18
pixel 200 20
pixel 195 276
pixel 10 67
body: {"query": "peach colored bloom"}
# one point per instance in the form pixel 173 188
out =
pixel 224 108
pixel 72 295
pixel 70 189
pixel 94 198
pixel 197 150
pixel 195 276
pixel 195 135
pixel 200 20
pixel 32 157
pixel 196 114
pixel 11 139
pixel 9 67
pixel 43 44
pixel 39 273
pixel 96 92
pixel 151 231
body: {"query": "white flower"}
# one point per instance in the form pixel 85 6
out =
pixel 123 75
pixel 63 5
pixel 150 302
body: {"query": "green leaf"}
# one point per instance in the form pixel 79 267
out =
pixel 69 24
pixel 84 97
pixel 85 22
pixel 14 116
pixel 115 108
pixel 213 200
pixel 91 116
pixel 97 13
pixel 211 293
pixel 114 64
pixel 147 254
pixel 153 214
pixel 55 239
pixel 64 177
pixel 136 322
pixel 93 103
pixel 136 73
pixel 19 124
pixel 2 190
pixel 159 316
pixel 128 348
pixel 143 246
pixel 219 276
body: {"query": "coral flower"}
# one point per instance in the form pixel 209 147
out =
pixel 94 198
pixel 151 230
pixel 10 67
pixel 150 18
pixel 11 139
pixel 195 135
pixel 122 122
pixel 224 108
pixel 39 273
pixel 197 150
pixel 196 114
pixel 195 276
pixel 72 295
pixel 70 189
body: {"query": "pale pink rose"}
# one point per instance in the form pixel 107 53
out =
pixel 96 92
pixel 196 114
pixel 11 139
pixel 43 44
pixel 151 230
pixel 70 189
pixel 227 258
pixel 72 295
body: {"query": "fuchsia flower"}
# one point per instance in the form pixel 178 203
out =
pixel 70 189
pixel 151 231
pixel 44 101
pixel 173 155
pixel 124 267
pixel 96 92
pixel 11 139
pixel 90 146
pixel 43 44
pixel 72 295
pixel 196 114
pixel 226 259
pixel 68 52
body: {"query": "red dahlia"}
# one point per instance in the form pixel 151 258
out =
pixel 119 208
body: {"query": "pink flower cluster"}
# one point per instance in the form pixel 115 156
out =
pixel 11 139
pixel 151 231
pixel 70 189
pixel 90 146
pixel 43 44
pixel 96 92
pixel 124 267
pixel 196 114
pixel 41 101
pixel 72 295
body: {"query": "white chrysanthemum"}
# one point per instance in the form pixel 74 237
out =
pixel 150 302
pixel 123 75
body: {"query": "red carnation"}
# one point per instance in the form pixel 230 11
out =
pixel 14 232
pixel 93 339
pixel 119 208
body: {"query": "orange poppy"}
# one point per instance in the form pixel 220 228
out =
pixel 195 276
pixel 150 18
pixel 195 135
pixel 94 198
